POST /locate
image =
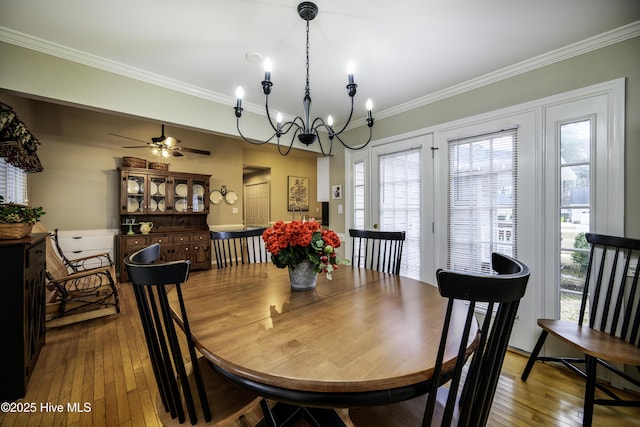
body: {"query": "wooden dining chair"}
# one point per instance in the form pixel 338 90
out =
pixel 470 406
pixel 239 247
pixel 76 295
pixel 178 383
pixel 608 327
pixel 377 250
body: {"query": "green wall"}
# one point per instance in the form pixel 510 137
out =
pixel 608 63
pixel 37 74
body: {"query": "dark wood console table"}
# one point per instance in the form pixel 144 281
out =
pixel 22 311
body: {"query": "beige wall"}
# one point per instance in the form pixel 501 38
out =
pixel 79 187
pixel 295 164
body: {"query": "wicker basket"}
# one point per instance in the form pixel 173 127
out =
pixel 15 231
pixel 159 166
pixel 134 162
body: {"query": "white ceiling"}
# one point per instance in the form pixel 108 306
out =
pixel 404 50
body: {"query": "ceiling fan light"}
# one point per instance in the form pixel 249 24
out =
pixel 166 153
pixel 170 141
pixel 155 151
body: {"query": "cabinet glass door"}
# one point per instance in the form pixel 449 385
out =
pixel 158 194
pixel 198 192
pixel 135 185
pixel 181 195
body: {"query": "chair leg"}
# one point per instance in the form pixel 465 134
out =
pixel 534 355
pixel 590 389
pixel 268 415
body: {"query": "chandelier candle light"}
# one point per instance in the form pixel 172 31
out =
pixel 306 130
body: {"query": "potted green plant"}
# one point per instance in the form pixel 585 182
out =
pixel 16 220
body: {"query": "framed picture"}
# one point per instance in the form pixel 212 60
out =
pixel 298 193
pixel 336 192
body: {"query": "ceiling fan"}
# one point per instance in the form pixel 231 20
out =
pixel 164 146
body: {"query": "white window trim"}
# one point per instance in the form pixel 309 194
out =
pixel 530 117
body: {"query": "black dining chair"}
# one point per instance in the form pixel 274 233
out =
pixel 179 382
pixel 239 247
pixel 498 296
pixel 377 250
pixel 608 327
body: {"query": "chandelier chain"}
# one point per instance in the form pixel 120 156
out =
pixel 307 87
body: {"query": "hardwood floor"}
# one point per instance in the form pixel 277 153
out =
pixel 104 364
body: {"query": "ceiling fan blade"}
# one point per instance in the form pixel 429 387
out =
pixel 176 153
pixel 193 150
pixel 128 137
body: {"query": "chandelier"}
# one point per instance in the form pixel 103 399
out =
pixel 306 130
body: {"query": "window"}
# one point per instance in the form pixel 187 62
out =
pixel 481 200
pixel 13 183
pixel 575 212
pixel 359 200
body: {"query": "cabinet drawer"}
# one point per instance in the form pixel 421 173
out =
pixel 181 238
pixel 201 237
pixel 160 238
pixel 36 256
pixel 134 243
pixel 81 243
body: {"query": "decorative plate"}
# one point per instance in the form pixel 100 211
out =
pixel 153 188
pixel 198 190
pixel 215 197
pixel 181 190
pixel 132 186
pixel 231 197
pixel 161 189
pixel 161 206
pixel 154 205
pixel 132 204
pixel 181 205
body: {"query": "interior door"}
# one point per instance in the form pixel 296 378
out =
pixel 257 204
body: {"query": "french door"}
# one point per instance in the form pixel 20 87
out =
pixel 390 189
pixel 569 175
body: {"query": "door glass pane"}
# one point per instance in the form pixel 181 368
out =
pixel 358 196
pixel 180 192
pixel 575 213
pixel 197 195
pixel 400 200
pixel 482 200
pixel 135 194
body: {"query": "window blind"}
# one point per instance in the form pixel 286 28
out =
pixel 359 200
pixel 400 199
pixel 482 199
pixel 13 183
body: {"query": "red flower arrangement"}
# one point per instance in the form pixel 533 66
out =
pixel 293 242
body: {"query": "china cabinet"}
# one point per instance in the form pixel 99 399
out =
pixel 176 203
pixel 22 311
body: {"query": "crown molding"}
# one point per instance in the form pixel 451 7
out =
pixel 593 43
pixel 57 50
pixel 608 38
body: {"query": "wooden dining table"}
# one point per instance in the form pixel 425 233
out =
pixel 363 338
